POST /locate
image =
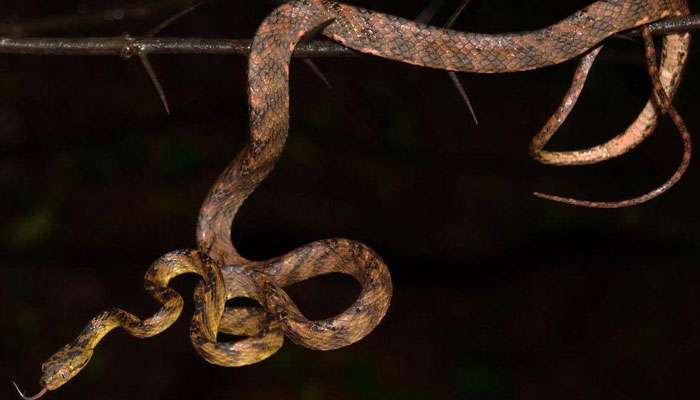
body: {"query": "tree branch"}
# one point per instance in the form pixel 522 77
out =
pixel 127 46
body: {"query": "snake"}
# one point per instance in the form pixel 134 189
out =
pixel 225 274
pixel 662 101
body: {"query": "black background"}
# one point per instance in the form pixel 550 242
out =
pixel 497 294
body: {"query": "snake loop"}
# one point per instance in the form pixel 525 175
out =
pixel 661 100
pixel 674 57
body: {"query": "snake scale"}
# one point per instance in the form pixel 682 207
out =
pixel 225 274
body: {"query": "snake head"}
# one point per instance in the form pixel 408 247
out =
pixel 64 365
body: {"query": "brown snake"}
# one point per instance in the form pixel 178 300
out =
pixel 226 274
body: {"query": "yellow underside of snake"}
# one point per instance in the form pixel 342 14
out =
pixel 264 328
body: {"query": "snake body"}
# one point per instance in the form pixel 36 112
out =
pixel 674 55
pixel 226 274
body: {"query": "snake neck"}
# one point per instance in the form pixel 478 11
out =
pixel 69 361
pixel 97 329
pixel 268 101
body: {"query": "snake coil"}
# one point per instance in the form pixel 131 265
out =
pixel 225 274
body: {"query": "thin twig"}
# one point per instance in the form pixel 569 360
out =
pixel 158 28
pixel 15 27
pixel 688 23
pixel 425 17
pixel 143 56
pixel 154 79
pixel 428 13
pixel 121 45
pixel 453 75
pixel 317 71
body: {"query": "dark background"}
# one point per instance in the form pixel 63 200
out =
pixel 497 294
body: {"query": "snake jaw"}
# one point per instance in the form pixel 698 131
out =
pixel 64 365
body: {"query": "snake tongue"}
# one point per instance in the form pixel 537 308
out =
pixel 35 397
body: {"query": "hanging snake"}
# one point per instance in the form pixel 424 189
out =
pixel 225 274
